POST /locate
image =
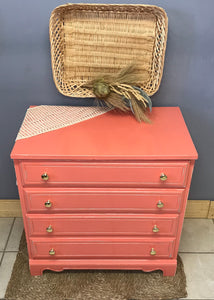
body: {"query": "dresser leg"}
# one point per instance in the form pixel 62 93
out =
pixel 169 270
pixel 36 270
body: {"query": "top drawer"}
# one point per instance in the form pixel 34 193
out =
pixel 104 174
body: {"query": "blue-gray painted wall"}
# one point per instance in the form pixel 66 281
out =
pixel 188 80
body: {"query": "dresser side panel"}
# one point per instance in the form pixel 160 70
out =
pixel 22 202
pixel 183 208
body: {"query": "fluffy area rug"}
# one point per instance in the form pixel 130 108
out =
pixel 92 285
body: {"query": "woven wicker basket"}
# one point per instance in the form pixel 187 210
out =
pixel 89 39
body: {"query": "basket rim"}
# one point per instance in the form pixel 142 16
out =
pixel 105 7
pixel 110 5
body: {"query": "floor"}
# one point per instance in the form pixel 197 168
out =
pixel 196 250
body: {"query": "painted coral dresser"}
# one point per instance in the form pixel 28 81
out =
pixel 106 193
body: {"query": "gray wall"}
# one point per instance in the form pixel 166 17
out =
pixel 26 77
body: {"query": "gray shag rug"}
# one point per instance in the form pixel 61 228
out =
pixel 92 285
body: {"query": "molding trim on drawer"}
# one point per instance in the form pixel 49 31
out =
pixel 195 208
pixel 104 174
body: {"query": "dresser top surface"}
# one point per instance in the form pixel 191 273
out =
pixel 114 136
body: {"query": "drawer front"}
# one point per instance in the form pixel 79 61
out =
pixel 101 248
pixel 41 200
pixel 102 225
pixel 105 174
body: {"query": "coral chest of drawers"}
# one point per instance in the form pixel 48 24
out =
pixel 106 193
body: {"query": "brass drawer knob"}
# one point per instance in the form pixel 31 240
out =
pixel 155 229
pixel 49 229
pixel 163 177
pixel 44 176
pixel 160 204
pixel 52 252
pixel 153 252
pixel 48 204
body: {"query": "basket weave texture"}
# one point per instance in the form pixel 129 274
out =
pixel 92 39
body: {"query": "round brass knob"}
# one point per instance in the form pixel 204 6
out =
pixel 153 252
pixel 49 229
pixel 160 204
pixel 163 177
pixel 44 176
pixel 48 204
pixel 155 229
pixel 52 252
